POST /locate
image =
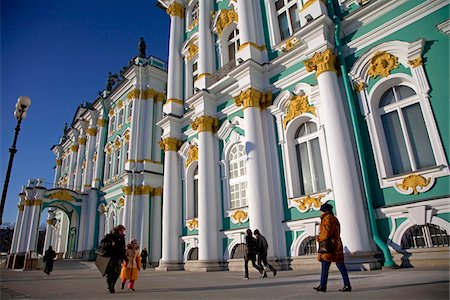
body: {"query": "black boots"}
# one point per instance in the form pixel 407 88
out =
pixel 320 289
pixel 346 288
pixel 111 288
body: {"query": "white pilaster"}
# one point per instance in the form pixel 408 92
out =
pixel 73 166
pixel 155 236
pixel 17 228
pixel 206 47
pixel 91 140
pixel 80 161
pixel 148 130
pixel 156 155
pixel 100 153
pixel 48 231
pixel 91 219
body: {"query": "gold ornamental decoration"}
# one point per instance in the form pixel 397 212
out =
pixel 192 155
pixel 308 202
pixel 414 182
pixel 117 144
pixel 239 216
pixel 91 131
pixel 121 202
pixel 111 112
pixel 193 24
pixel 61 195
pixel 82 141
pixel 126 190
pixel 382 63
pixel 120 104
pixel 358 87
pixel 170 144
pixel 160 97
pixel 322 62
pixel 74 148
pixel 101 122
pixel 290 44
pixel 192 224
pixel 225 18
pixel 206 123
pixel 253 98
pixel 416 62
pixel 94 158
pixel 59 162
pixel 134 94
pixel 176 10
pixel 192 51
pixel 20 207
pixel 149 94
pixel 157 192
pixel 297 106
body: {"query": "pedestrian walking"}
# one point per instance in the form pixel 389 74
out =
pixel 250 253
pixel 131 265
pixel 144 255
pixel 262 246
pixel 330 248
pixel 49 257
pixel 113 246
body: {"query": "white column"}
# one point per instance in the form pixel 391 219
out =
pixel 135 141
pixel 80 160
pixel 171 228
pixel 91 218
pixel 48 231
pixel 257 186
pixel 24 227
pixel 57 171
pixel 100 153
pixel 156 155
pixel 206 47
pixel 174 104
pixel 148 128
pixel 17 229
pixel 91 140
pixel 34 225
pixel 208 232
pixel 346 187
pixel 250 33
pixel 82 228
pixel 144 212
pixel 72 167
pixel 155 236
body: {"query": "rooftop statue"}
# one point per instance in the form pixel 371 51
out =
pixel 112 79
pixel 141 48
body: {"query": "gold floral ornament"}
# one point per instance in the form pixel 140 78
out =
pixel 206 123
pixel 192 155
pixel 225 18
pixel 253 98
pixel 239 216
pixel 192 224
pixel 192 51
pixel 322 62
pixel 176 10
pixel 308 202
pixel 62 195
pixel 170 144
pixel 358 87
pixel 290 44
pixel 193 24
pixel 414 183
pixel 117 144
pixel 126 190
pixel 121 202
pixel 382 63
pixel 157 192
pixel 297 106
pixel 91 131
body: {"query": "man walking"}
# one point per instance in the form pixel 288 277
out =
pixel 262 247
pixel 144 255
pixel 113 246
pixel 250 253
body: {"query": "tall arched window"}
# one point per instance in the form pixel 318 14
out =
pixel 112 124
pixel 120 119
pixel 238 177
pixel 117 162
pixel 195 190
pixel 309 159
pixel 195 12
pixel 405 130
pixel 233 44
pixel 288 19
pixel 425 236
pixel 130 109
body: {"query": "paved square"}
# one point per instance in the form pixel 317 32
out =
pixel 81 280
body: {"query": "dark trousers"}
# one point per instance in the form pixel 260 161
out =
pixel 326 267
pixel 262 259
pixel 144 263
pixel 113 272
pixel 252 258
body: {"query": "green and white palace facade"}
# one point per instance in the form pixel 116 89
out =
pixel 266 110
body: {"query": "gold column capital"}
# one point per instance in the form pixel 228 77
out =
pixel 160 97
pixel 59 162
pixel 416 62
pixel 91 131
pixel 126 190
pixel 176 10
pixel 206 123
pixel 82 141
pixel 20 207
pixel 149 94
pixel 101 122
pixel 170 144
pixel 253 98
pixel 157 191
pixel 74 148
pixel 322 62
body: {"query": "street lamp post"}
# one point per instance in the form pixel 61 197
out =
pixel 22 105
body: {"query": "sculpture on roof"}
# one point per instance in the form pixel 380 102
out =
pixel 141 48
pixel 112 79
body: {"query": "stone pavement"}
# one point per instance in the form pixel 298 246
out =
pixel 81 280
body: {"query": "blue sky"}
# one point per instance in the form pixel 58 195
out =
pixel 59 54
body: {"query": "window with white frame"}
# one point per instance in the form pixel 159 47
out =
pixel 112 124
pixel 405 131
pixel 309 159
pixel 288 18
pixel 120 118
pixel 238 176
pixel 130 109
pixel 233 44
pixel 194 74
pixel 117 162
pixel 108 166
pixel 425 236
pixel 195 12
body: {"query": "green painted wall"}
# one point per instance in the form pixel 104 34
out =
pixel 444 216
pixel 399 221
pixel 384 228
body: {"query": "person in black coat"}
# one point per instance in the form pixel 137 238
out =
pixel 49 256
pixel 115 249
pixel 144 255
pixel 262 247
pixel 250 253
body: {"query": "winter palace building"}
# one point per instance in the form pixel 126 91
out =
pixel 266 110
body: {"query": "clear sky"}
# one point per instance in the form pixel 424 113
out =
pixel 59 54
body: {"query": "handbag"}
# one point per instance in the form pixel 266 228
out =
pixel 325 246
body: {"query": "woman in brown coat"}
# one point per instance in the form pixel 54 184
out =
pixel 131 265
pixel 330 230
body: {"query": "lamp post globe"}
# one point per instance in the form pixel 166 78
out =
pixel 22 105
